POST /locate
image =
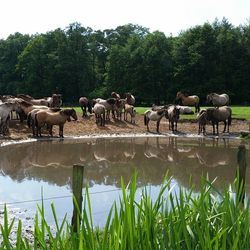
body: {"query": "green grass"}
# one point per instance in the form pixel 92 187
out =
pixel 187 220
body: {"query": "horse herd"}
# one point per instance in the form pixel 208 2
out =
pixel 219 113
pixel 47 111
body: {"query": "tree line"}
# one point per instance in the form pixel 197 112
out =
pixel 78 61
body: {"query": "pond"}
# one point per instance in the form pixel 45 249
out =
pixel 44 169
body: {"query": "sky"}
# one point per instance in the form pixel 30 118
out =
pixel 168 16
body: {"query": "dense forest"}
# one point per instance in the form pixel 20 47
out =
pixel 79 61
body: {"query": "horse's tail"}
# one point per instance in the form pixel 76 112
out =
pixel 36 122
pixel 29 120
pixel 230 118
pixel 145 119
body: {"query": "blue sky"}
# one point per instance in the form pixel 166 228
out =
pixel 40 16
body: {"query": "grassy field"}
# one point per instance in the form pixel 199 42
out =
pixel 240 112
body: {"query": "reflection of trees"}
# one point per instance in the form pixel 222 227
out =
pixel 106 160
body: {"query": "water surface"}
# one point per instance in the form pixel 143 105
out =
pixel 35 169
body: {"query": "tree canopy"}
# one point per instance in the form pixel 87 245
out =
pixel 79 61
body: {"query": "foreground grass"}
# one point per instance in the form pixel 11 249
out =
pixel 210 220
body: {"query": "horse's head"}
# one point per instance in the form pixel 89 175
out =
pixel 70 113
pixel 115 95
pixel 56 100
pixel 111 101
pixel 210 97
pixel 210 113
pixel 176 112
pixel 179 95
pixel 73 114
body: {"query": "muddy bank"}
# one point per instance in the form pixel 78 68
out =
pixel 86 127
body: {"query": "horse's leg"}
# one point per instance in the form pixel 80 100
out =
pixel 217 127
pixel 225 126
pixel 33 127
pixel 172 126
pixel 38 131
pixel 147 122
pixel 51 130
pixel 158 125
pixel 82 111
pixel 213 128
pixel 103 119
pixel 61 130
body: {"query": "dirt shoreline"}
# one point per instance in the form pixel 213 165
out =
pixel 86 127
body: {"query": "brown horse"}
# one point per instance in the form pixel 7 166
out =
pixel 192 100
pixel 57 118
pixel 30 99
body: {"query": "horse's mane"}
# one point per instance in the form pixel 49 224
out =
pixel 55 109
pixel 68 112
pixel 24 103
pixel 24 96
pixel 111 101
pixel 161 111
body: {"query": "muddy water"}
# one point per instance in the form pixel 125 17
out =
pixel 30 171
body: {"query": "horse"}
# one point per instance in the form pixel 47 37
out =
pixel 115 95
pixel 99 110
pixel 218 100
pixel 185 110
pixel 156 107
pixel 31 117
pixel 130 99
pixel 129 109
pixel 221 114
pixel 59 118
pixel 202 121
pixel 120 107
pixel 110 105
pixel 150 115
pixel 33 101
pixel 54 101
pixel 84 104
pixel 173 114
pixel 26 107
pixel 192 100
pixel 5 109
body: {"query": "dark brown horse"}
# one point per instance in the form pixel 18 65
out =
pixel 85 104
pixel 221 114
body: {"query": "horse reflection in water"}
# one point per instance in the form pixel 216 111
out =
pixel 107 151
pixel 211 157
pixel 106 160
